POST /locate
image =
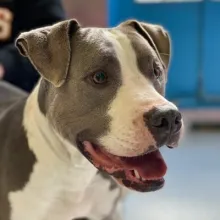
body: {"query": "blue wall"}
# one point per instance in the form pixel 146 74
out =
pixel 194 78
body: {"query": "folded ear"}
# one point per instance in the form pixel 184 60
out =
pixel 156 36
pixel 49 49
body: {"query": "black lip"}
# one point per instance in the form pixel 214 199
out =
pixel 151 186
pixel 146 186
pixel 170 147
pixel 80 147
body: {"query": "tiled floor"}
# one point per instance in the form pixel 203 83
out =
pixel 192 190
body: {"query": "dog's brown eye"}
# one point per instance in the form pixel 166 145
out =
pixel 157 71
pixel 100 77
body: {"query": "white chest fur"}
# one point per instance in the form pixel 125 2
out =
pixel 50 195
pixel 63 184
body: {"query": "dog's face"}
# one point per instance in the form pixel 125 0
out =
pixel 103 91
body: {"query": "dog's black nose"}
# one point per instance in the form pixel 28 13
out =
pixel 164 120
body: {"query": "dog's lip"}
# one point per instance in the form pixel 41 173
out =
pixel 141 173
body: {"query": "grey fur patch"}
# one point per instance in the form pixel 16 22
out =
pixel 80 107
pixel 14 155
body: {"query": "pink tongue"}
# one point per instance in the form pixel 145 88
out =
pixel 150 166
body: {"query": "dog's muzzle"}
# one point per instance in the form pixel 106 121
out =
pixel 164 122
pixel 143 172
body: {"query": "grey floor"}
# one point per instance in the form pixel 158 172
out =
pixel 192 190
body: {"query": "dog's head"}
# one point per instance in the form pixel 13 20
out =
pixel 103 91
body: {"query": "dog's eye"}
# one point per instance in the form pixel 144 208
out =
pixel 100 77
pixel 157 71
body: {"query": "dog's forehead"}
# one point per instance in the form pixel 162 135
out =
pixel 104 41
pixel 96 39
pixel 140 45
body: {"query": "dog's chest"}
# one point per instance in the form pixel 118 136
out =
pixel 96 202
pixel 56 194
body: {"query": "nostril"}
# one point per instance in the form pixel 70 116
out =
pixel 161 123
pixel 177 124
pixel 178 119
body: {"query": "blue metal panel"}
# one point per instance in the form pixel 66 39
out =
pixel 182 20
pixel 211 51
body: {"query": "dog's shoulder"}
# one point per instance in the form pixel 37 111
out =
pixel 11 121
pixel 14 153
pixel 14 150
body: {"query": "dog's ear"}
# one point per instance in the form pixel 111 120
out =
pixel 49 49
pixel 157 36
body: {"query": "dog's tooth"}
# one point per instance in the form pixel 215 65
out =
pixel 137 174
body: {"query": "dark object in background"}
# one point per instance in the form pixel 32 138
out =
pixel 96 12
pixel 205 126
pixel 27 15
pixel 9 95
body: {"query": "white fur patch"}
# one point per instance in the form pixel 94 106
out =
pixel 63 185
pixel 128 135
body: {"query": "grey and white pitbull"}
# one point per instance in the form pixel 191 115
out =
pixel 98 112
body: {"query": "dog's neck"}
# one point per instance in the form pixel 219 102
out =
pixel 48 146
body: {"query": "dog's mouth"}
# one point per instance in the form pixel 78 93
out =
pixel 141 173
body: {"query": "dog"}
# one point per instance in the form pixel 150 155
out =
pixel 92 127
